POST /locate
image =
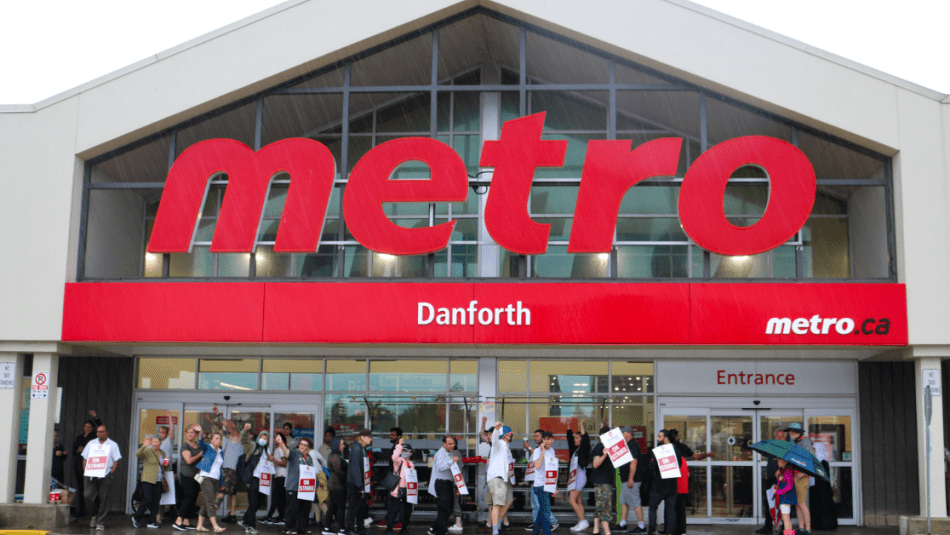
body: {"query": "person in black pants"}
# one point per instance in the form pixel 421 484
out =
pixel 278 491
pixel 770 480
pixel 336 484
pixel 88 433
pixel 444 484
pixel 355 485
pixel 398 505
pixel 663 490
pixel 191 454
pixel 253 489
pixel 295 523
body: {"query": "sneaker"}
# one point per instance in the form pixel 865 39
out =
pixel 154 525
pixel 92 523
pixel 100 527
pixel 555 525
pixel 455 528
pixel 189 526
pixel 179 527
pixel 381 524
pixel 397 527
pixel 249 529
pixel 135 522
pixel 529 527
pixel 367 522
pixel 328 532
pixel 430 532
pixel 278 522
pixel 581 526
pixel 241 523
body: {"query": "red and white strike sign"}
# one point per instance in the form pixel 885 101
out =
pixel 307 488
pixel 459 480
pixel 616 447
pixel 412 486
pixel 666 460
pixel 550 474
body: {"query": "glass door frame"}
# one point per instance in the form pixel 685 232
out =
pixel 805 407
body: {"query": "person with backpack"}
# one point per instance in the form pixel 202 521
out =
pixel 247 469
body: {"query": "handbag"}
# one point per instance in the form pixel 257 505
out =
pixel 391 481
pixel 199 478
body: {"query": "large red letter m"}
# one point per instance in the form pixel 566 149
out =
pixel 311 168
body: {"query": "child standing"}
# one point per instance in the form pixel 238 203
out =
pixel 787 496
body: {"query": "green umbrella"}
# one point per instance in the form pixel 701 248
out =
pixel 800 458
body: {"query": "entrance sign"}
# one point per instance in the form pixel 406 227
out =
pixel 616 447
pixel 610 170
pixel 666 460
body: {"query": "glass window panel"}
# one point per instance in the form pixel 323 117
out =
pixel 585 110
pixel 697 491
pixel 732 491
pixel 275 381
pixel 631 75
pixel 510 104
pixel 783 261
pixel 464 261
pixel 469 147
pixel 233 264
pixel 652 200
pixel 237 124
pixel 303 374
pixel 271 264
pixel 323 263
pixel 153 265
pixel 512 376
pixel 146 163
pixel 556 413
pixel 512 414
pixel 355 261
pixel 744 198
pixel 557 262
pixel 650 229
pixel 206 230
pixel 414 60
pixel 555 62
pixel 554 199
pixel 227 381
pixel 569 376
pixel 385 265
pixel 115 232
pixel 466 229
pixel 675 112
pixel 289 116
pixel 652 261
pixel 302 422
pixel 407 208
pixel 829 203
pixel 825 249
pixel 560 230
pixel 150 420
pixel 344 413
pixel 632 378
pixel 422 417
pixel 159 373
pixel 726 121
pixel 867 232
pixel 737 428
pixel 573 157
pixel 276 197
pixel 834 432
pixel 696 261
pixel 407 376
pixel 842 483
pixel 635 411
pixel 463 375
pixel 395 112
pixel 357 148
pixel 306 381
pixel 768 425
pixel 460 425
pixel 692 430
pixel 198 263
pixel 739 267
pixel 346 375
pixel 833 160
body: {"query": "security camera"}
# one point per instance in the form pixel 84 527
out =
pixel 756 402
pixel 226 398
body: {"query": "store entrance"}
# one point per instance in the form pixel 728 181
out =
pixel 158 410
pixel 727 487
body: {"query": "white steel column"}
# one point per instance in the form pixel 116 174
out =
pixel 10 425
pixel 489 253
pixel 40 442
pixel 938 491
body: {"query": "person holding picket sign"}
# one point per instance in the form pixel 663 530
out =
pixel 442 484
pixel 260 484
pixel 301 485
pixel 545 482
pixel 399 497
pixel 579 447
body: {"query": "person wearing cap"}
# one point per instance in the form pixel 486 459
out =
pixel 796 433
pixel 499 485
pixel 542 513
pixel 602 477
pixel 538 440
pixel 398 498
pixel 354 482
pixel 630 487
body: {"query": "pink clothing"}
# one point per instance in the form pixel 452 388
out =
pixel 406 464
pixel 786 483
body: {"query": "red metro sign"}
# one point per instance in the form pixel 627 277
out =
pixel 610 170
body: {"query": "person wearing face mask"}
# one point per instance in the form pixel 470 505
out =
pixel 79 444
pixel 398 498
pixel 297 510
pixel 212 459
pixel 254 496
pixel 395 435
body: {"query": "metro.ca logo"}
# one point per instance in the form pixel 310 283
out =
pixel 818 325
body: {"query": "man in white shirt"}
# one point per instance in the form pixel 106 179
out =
pixel 498 469
pixel 100 460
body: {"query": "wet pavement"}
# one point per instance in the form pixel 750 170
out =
pixel 122 525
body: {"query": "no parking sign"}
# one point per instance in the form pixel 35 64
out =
pixel 39 389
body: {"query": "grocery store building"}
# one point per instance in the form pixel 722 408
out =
pixel 421 214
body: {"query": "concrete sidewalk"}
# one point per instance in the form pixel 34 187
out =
pixel 122 525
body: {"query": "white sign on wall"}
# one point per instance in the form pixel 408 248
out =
pixel 7 371
pixel 755 377
pixel 39 387
pixel 932 379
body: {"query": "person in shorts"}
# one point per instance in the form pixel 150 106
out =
pixel 802 481
pixel 499 484
pixel 630 487
pixel 602 478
